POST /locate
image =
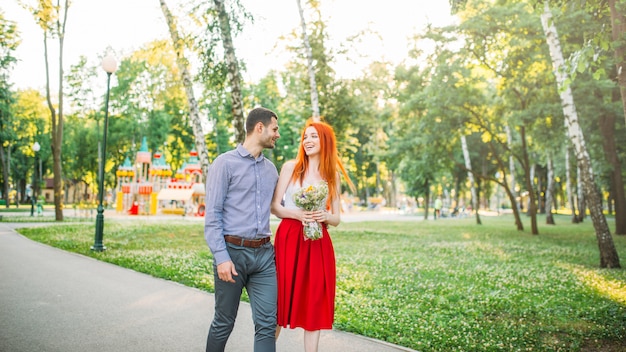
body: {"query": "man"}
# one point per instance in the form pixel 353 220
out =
pixel 239 189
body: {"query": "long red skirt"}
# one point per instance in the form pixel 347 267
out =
pixel 306 276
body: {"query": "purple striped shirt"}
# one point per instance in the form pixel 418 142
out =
pixel 239 190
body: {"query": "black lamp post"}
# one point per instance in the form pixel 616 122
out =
pixel 33 195
pixel 110 66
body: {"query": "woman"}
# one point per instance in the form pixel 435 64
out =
pixel 306 267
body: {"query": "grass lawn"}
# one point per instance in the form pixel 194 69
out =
pixel 445 285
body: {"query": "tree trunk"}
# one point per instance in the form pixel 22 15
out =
pixel 470 175
pixel 516 213
pixel 5 177
pixel 183 66
pixel 56 132
pixel 539 190
pixel 618 29
pixel 427 197
pixel 532 203
pixel 509 191
pixel 457 187
pixel 234 77
pixel 580 192
pixel 393 191
pixel 509 141
pixel 568 185
pixel 53 21
pixel 549 192
pixel 607 128
pixel 309 56
pixel 608 253
pixel 532 177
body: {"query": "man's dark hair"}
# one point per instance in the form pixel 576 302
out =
pixel 257 115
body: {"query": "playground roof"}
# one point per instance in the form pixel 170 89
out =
pixel 175 194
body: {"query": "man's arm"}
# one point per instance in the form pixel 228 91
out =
pixel 216 191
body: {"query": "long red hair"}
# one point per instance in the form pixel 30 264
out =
pixel 329 159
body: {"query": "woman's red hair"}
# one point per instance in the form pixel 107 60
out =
pixel 329 159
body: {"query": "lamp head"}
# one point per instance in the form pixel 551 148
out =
pixel 109 64
pixel 36 147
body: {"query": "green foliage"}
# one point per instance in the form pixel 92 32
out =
pixel 9 41
pixel 439 286
pixel 398 128
pixel 149 101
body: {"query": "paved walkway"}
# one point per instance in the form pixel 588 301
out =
pixel 57 301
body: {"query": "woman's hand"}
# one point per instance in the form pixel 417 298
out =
pixel 320 215
pixel 306 216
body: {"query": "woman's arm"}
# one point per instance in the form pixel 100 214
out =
pixel 277 207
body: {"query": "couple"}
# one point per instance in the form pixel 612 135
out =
pixel 289 285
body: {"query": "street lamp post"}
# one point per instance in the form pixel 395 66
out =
pixel 33 195
pixel 110 66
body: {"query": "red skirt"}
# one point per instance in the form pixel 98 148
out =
pixel 306 276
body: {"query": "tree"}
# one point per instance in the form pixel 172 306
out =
pixel 183 67
pixel 232 64
pixel 618 31
pixel 458 98
pixel 52 18
pixel 30 110
pixel 601 44
pixel 505 40
pixel 149 101
pixel 470 175
pixel 82 142
pixel 9 40
pixel 568 183
pixel 608 254
pixel 550 192
pixel 310 67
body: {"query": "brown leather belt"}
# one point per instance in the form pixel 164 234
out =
pixel 246 242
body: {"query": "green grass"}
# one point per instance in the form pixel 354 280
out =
pixel 445 285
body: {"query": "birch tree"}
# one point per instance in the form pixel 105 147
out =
pixel 568 185
pixel 470 176
pixel 233 74
pixel 549 191
pixel 580 194
pixel 608 254
pixel 310 66
pixel 185 75
pixel 509 140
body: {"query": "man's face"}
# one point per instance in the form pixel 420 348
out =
pixel 270 134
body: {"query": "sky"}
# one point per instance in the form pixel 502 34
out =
pixel 125 25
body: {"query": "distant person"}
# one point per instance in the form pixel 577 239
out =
pixel 40 201
pixel 306 265
pixel 438 205
pixel 239 188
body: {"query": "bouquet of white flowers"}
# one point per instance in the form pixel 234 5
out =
pixel 312 198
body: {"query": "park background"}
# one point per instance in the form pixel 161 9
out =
pixel 474 111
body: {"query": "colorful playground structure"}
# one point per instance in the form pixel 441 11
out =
pixel 149 186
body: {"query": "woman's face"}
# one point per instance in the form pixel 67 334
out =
pixel 311 141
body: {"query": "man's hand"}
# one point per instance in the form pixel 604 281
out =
pixel 226 270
